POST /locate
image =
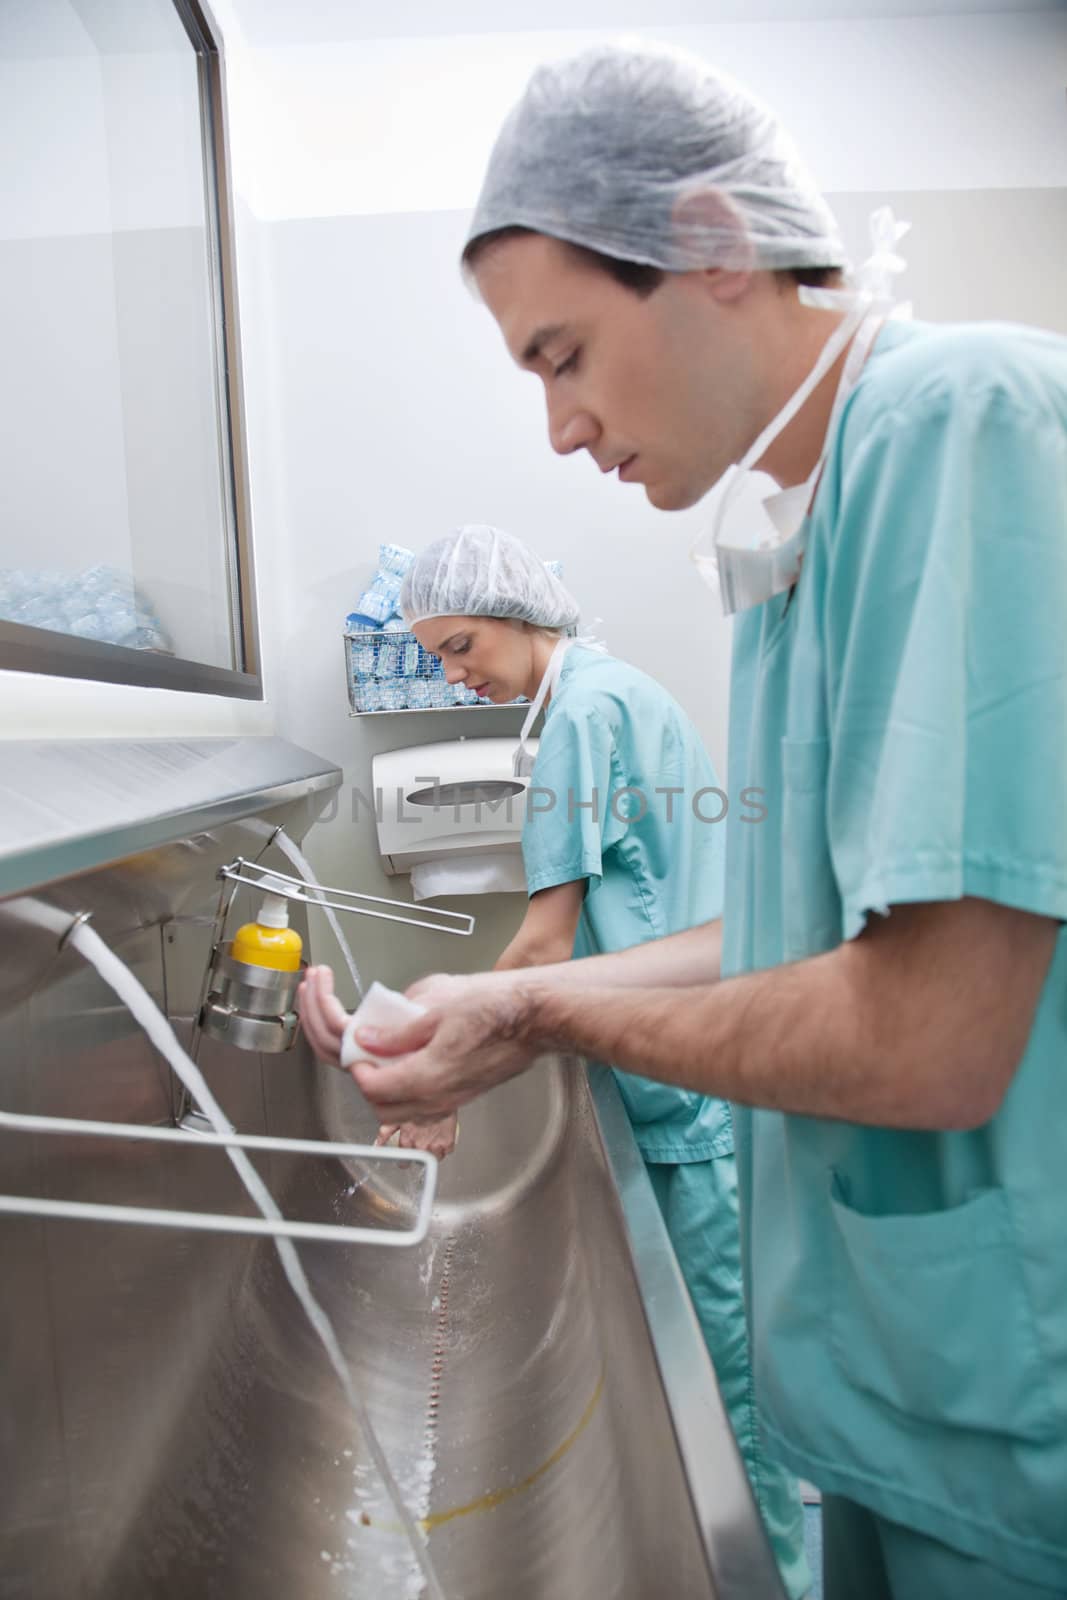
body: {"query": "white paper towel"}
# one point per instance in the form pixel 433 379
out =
pixel 380 1008
pixel 490 872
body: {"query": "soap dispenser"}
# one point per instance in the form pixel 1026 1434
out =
pixel 253 979
pixel 269 941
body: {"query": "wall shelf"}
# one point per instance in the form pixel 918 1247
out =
pixel 399 668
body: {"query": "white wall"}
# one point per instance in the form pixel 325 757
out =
pixel 395 413
pixel 370 125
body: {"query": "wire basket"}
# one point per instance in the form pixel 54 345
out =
pixel 390 671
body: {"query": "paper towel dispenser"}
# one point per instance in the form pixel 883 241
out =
pixel 467 792
pixel 454 802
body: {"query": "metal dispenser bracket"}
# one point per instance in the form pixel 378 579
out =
pixel 250 872
pixel 252 1007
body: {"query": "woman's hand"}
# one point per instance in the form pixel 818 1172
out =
pixel 438 1137
pixel 322 1015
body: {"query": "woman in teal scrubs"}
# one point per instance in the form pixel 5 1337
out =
pixel 620 846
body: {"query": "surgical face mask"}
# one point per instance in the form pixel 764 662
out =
pixel 751 557
pixel 523 760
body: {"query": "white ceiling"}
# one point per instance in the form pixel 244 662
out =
pixel 75 27
pixel 270 23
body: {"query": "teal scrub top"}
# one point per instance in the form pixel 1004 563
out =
pixel 906 712
pixel 652 862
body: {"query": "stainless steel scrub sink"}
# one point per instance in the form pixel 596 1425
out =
pixel 171 1428
pixel 509 1372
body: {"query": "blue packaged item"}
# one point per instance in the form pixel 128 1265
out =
pixel 394 695
pixel 409 658
pixel 98 602
pixel 388 659
pixel 357 622
pixel 395 624
pixel 395 559
pixel 364 657
pixel 419 694
pixel 379 607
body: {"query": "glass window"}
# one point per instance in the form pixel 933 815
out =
pixel 123 551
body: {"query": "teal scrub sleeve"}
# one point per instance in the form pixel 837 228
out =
pixel 946 683
pixel 570 823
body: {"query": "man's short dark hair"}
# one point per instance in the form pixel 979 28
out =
pixel 636 275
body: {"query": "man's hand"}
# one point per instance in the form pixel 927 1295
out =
pixel 470 1038
pixel 439 1137
pixel 324 1019
pixel 467 1040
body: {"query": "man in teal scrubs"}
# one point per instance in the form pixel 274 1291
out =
pixel 612 860
pixel 885 993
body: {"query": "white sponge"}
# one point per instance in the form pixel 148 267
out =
pixel 380 1008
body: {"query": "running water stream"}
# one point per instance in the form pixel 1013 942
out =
pixel 303 866
pixel 143 1008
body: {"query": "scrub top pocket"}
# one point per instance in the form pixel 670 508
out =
pixel 929 1313
pixel 647 1101
pixel 811 906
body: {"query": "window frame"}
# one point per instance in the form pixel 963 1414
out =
pixel 40 650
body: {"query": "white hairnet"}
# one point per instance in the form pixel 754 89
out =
pixel 646 154
pixel 481 572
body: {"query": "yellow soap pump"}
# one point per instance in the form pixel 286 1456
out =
pixel 269 941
